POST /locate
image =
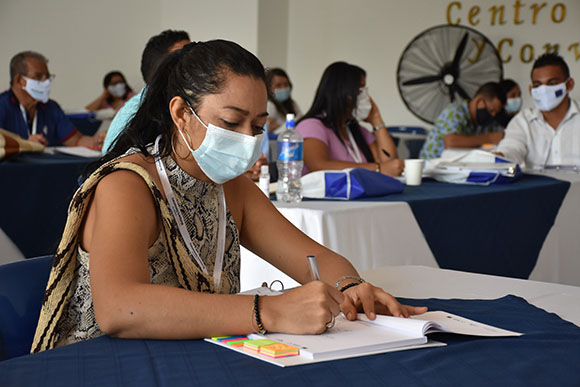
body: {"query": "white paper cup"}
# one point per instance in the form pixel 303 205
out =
pixel 413 171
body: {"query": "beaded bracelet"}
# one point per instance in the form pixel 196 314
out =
pixel 362 281
pixel 348 286
pixel 261 329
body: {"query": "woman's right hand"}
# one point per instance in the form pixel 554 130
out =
pixel 393 167
pixel 303 310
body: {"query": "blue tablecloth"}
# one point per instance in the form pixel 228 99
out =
pixel 496 229
pixel 36 190
pixel 547 355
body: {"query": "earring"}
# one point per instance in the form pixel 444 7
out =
pixel 173 147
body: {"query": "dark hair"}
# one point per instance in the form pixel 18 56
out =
pixel 157 49
pixel 335 99
pixel 107 82
pixel 197 70
pixel 507 85
pixel 288 106
pixel 551 59
pixel 491 90
pixel 18 63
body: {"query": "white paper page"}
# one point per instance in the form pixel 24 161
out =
pixel 447 322
pixel 412 327
pixel 460 166
pixel 80 151
pixel 347 338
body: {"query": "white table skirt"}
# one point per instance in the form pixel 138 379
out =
pixel 375 234
pixel 369 234
pixel 559 259
pixel 8 250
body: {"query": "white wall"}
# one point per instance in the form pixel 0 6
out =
pixel 374 33
pixel 83 40
pixel 273 32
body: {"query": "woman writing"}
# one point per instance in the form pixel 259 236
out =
pixel 151 247
pixel 333 138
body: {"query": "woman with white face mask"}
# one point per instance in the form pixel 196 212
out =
pixel 280 100
pixel 333 138
pixel 116 91
pixel 152 245
pixel 513 104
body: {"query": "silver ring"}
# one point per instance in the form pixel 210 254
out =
pixel 330 324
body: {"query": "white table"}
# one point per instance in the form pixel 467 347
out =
pixel 369 234
pixel 559 259
pixel 8 250
pixel 374 234
pixel 428 282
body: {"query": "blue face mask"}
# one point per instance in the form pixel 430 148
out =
pixel 224 155
pixel 513 105
pixel 282 95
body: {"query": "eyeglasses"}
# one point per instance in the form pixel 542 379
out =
pixel 41 77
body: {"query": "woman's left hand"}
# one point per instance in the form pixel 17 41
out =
pixel 374 300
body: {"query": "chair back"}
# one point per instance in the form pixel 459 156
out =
pixel 22 286
pixel 408 139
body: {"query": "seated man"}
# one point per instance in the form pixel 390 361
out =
pixel 26 110
pixel 467 124
pixel 157 48
pixel 549 134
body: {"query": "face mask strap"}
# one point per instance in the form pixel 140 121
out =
pixel 194 113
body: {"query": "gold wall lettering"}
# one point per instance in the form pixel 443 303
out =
pixel 523 13
pixel 480 47
pixel 494 12
pixel 500 49
pixel 574 47
pixel 497 13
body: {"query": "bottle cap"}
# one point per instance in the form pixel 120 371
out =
pixel 265 169
pixel 290 117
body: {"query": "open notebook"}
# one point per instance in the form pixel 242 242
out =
pixel 364 337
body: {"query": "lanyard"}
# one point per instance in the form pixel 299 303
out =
pixel 356 153
pixel 176 212
pixel 26 120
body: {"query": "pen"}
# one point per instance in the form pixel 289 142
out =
pixel 386 153
pixel 314 273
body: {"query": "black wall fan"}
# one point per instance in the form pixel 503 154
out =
pixel 445 63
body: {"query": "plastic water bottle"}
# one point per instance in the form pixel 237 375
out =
pixel 289 163
pixel 264 181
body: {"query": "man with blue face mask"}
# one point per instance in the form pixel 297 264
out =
pixel 548 134
pixel 25 109
pixel 467 124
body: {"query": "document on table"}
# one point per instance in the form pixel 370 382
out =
pixel 384 334
pixel 79 151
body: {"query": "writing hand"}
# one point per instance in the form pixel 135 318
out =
pixel 303 310
pixel 38 138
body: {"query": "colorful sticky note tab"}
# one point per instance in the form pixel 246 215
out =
pixel 236 342
pixel 217 338
pixel 254 345
pixel 279 350
pixel 229 338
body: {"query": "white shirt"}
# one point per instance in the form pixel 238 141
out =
pixel 531 140
pixel 278 117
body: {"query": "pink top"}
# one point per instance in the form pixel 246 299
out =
pixel 314 128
